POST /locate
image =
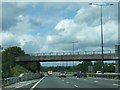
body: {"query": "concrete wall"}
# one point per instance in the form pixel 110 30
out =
pixel 22 77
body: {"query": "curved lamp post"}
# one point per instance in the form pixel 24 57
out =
pixel 101 5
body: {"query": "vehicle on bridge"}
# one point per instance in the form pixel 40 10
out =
pixel 49 72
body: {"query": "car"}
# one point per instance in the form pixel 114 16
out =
pixel 75 74
pixel 81 74
pixel 62 74
pixel 98 72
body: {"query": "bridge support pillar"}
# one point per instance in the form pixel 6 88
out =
pixel 117 51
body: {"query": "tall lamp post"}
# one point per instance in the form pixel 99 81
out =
pixel 73 43
pixel 101 5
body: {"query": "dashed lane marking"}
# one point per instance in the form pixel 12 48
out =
pixel 105 79
pixel 67 82
pixel 116 84
pixel 96 81
pixel 76 86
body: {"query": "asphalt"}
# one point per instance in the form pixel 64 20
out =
pixel 73 82
pixel 68 82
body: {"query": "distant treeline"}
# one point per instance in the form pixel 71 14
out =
pixel 85 66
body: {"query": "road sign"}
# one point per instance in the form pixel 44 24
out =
pixel 90 68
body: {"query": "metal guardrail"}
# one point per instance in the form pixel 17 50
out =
pixel 106 75
pixel 72 53
pixel 22 77
pixel 8 81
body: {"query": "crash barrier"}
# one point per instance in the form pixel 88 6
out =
pixel 22 77
pixel 105 75
pixel 0 82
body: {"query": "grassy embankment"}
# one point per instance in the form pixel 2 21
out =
pixel 17 70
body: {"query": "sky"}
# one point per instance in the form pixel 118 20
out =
pixel 53 26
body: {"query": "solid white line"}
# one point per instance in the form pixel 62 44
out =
pixel 37 83
pixel 75 85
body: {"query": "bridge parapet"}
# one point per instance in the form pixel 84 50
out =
pixel 77 56
pixel 72 53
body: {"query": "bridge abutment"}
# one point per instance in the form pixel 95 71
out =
pixel 117 51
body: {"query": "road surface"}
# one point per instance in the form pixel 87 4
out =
pixel 69 82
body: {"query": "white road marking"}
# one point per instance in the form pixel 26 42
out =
pixel 116 84
pixel 37 83
pixel 95 81
pixel 105 79
pixel 84 79
pixel 24 85
pixel 67 82
pixel 75 85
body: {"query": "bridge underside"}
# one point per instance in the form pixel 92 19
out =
pixel 57 58
pixel 67 60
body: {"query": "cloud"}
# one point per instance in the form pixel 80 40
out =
pixel 25 30
pixel 27 42
pixel 85 28
pixel 10 12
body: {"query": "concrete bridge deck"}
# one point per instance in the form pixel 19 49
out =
pixel 68 56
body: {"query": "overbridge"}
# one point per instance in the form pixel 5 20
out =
pixel 69 56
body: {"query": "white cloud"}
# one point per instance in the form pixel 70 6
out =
pixel 84 27
pixel 27 42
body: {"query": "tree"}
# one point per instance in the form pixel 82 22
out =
pixel 84 66
pixel 8 61
pixel 97 66
pixel 32 66
pixel 109 67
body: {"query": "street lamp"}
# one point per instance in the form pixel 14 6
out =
pixel 101 5
pixel 73 43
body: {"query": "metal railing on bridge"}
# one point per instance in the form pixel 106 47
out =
pixel 72 53
pixel 69 56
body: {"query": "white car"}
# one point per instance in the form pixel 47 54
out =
pixel 98 72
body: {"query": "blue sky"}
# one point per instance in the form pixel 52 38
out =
pixel 45 27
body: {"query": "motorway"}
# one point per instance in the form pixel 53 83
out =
pixel 70 82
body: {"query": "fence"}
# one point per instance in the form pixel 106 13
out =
pixel 106 75
pixel 22 77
